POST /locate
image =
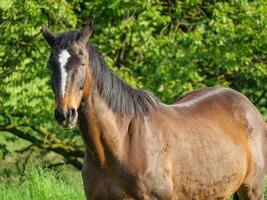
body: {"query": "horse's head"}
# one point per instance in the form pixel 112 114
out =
pixel 70 74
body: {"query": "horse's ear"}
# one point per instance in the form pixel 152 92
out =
pixel 86 31
pixel 48 36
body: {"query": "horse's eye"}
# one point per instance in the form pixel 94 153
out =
pixel 51 64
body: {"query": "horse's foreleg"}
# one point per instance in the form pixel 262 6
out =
pixel 236 197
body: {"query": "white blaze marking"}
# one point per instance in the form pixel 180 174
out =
pixel 63 59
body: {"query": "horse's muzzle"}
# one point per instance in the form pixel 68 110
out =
pixel 66 118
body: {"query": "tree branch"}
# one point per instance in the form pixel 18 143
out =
pixel 70 154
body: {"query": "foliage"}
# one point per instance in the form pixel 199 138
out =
pixel 168 47
pixel 174 47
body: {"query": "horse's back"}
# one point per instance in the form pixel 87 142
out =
pixel 209 102
pixel 217 104
pixel 219 140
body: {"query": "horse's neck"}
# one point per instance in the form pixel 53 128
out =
pixel 102 130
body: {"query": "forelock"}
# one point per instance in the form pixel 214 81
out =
pixel 66 40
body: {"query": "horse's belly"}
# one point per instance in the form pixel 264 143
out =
pixel 211 169
pixel 191 188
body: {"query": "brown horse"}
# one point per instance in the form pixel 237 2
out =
pixel 208 145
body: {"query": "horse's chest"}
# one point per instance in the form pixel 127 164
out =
pixel 146 186
pixel 106 188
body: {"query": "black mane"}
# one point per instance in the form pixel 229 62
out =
pixel 119 96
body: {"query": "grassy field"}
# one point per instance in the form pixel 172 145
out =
pixel 41 184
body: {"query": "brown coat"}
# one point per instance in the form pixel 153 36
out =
pixel 208 145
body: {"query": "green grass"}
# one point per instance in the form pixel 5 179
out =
pixel 41 184
pixel 44 184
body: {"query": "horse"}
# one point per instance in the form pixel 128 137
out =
pixel 208 145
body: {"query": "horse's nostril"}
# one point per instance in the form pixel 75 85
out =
pixel 71 114
pixel 73 111
pixel 65 117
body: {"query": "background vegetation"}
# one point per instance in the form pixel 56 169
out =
pixel 43 184
pixel 168 47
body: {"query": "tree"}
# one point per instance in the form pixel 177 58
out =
pixel 168 47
